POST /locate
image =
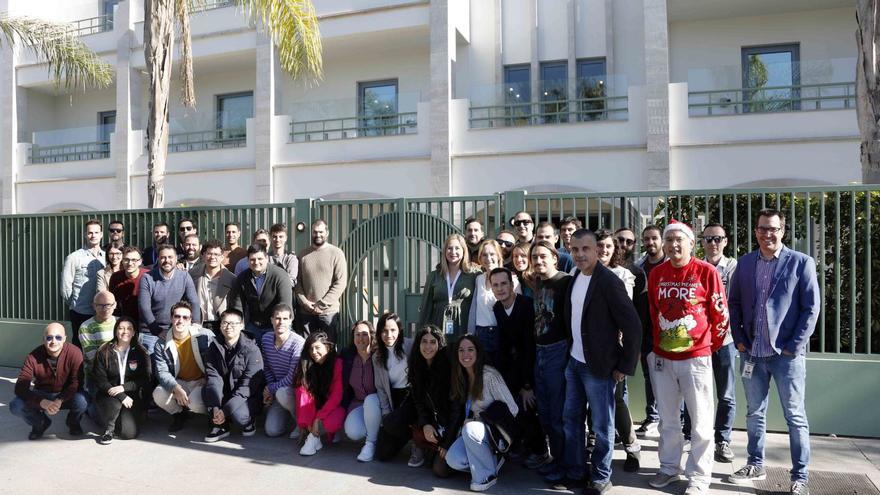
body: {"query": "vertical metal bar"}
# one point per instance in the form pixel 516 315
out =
pixel 837 271
pixel 822 269
pixel 853 225
pixel 749 220
pixel 867 300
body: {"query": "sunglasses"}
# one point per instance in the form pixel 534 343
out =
pixel 115 231
pixel 506 244
pixel 59 338
pixel 625 241
pixel 714 239
pixel 520 223
pixel 186 229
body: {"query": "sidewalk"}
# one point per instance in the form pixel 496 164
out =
pixel 159 462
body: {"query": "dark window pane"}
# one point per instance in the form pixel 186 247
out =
pixel 378 108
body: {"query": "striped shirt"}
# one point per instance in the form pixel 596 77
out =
pixel 92 335
pixel 279 363
pixel 763 280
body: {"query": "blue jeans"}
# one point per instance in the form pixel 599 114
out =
pixel 33 416
pixel 149 342
pixel 491 341
pixel 256 332
pixel 550 362
pixel 789 373
pixel 582 387
pixel 471 452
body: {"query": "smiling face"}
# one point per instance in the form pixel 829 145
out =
pixel 279 241
pixel 131 263
pixel 54 337
pixel 230 327
pixel 429 346
pixel 543 262
pixel 565 232
pixel 318 351
pixel 319 234
pixel 233 234
pixel 167 260
pixel 454 252
pixel 627 240
pixel 361 338
pixel 180 320
pixel 678 247
pixel 390 333
pixel 124 332
pixel 489 258
pixel 467 354
pixel 506 241
pixel 605 250
pixel 184 229
pixel 258 262
pixel 520 259
pixel 114 256
pixel 160 234
pixel 191 248
pixel 714 241
pixel 213 257
pixel 104 303
pixel 769 234
pixel 94 235
pixel 523 225
pixel 652 242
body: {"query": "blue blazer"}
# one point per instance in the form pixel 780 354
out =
pixel 792 306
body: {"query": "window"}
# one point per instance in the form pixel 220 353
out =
pixel 517 94
pixel 591 87
pixel 771 78
pixel 233 110
pixel 554 92
pixel 106 125
pixel 377 108
pixel 109 5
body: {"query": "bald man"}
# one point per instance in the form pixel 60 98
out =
pixel 97 330
pixel 56 371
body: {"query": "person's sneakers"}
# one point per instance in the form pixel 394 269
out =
pixel 294 433
pixel 75 429
pixel 249 429
pixel 534 461
pixel 799 488
pixel 38 430
pixel 662 479
pixel 747 474
pixel 723 453
pixel 311 446
pixel 367 452
pixel 416 457
pixel 482 487
pixel 696 489
pixel 633 458
pixel 217 433
pixel 178 421
pixel 591 441
pixel 594 488
pixel 106 438
pixel 647 428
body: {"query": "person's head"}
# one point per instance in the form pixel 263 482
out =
pixel 363 336
pixel 429 342
pixel 546 231
pixel 626 240
pixel 232 232
pixel 282 318
pixel 131 261
pixel 769 230
pixel 567 227
pixel 278 235
pixel 181 317
pixel 506 240
pixel 258 261
pixel 125 331
pixel 519 256
pixel 490 255
pixel 543 258
pixel 117 232
pixel 501 281
pixel 609 251
pixel 319 233
pixel 93 233
pixel 185 227
pixel 584 250
pixel 261 236
pixel 191 247
pixel 315 369
pixel 318 348
pixel 103 303
pixel 678 242
pixel 522 224
pixel 389 330
pixel 231 324
pixel 167 257
pixel 212 254
pixel 160 233
pixel 113 256
pixel 54 336
pixel 652 241
pixel 714 240
pixel 455 253
pixel 468 361
pixel 473 231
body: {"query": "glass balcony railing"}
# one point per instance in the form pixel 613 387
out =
pixel 92 25
pixel 69 145
pixel 513 105
pixel 205 5
pixel 202 131
pixel 769 88
pixel 331 120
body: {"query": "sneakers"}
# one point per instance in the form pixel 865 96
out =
pixel 597 488
pixel 747 474
pixel 367 452
pixel 106 438
pixel 661 479
pixel 417 458
pixel 534 461
pixel 482 487
pixel 178 421
pixel 294 433
pixel 311 446
pixel 75 429
pixel 633 458
pixel 249 430
pixel 723 453
pixel 696 490
pixel 38 430
pixel 217 433
pixel 648 428
pixel 799 488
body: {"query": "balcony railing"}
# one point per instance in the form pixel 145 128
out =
pixel 206 5
pixel 768 99
pixel 92 25
pixel 215 139
pixel 549 112
pixel 353 127
pixel 70 152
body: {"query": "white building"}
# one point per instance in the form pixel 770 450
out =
pixel 447 97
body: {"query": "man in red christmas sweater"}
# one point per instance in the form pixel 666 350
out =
pixel 690 319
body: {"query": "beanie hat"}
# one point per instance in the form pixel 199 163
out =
pixel 679 226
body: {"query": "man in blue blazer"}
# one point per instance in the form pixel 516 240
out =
pixel 774 305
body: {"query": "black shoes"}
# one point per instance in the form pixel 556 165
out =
pixel 106 438
pixel 38 430
pixel 75 429
pixel 178 421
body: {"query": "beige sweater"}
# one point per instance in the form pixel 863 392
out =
pixel 323 275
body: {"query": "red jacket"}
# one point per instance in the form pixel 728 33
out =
pixel 66 378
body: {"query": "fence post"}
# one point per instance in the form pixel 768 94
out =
pixel 302 211
pixel 514 201
pixel 401 255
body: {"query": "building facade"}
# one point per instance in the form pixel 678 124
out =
pixel 446 97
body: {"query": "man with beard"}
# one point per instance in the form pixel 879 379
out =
pixel 232 251
pixel 125 284
pixel 116 229
pixel 79 277
pixel 185 227
pixel 213 283
pixel 191 253
pixel 160 236
pixel 323 275
pixel 652 242
pixel 473 236
pixel 506 240
pixel 257 290
pixel 261 237
pixel 522 226
pixel 160 289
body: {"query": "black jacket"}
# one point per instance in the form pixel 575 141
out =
pixel 640 300
pixel 430 393
pixel 233 376
pixel 608 311
pixel 257 307
pixel 105 372
pixel 517 339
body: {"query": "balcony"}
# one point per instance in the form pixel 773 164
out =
pixel 92 25
pixel 203 131
pixel 70 145
pixel 210 5
pixel 321 121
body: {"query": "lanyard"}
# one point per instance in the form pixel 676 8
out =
pixel 121 364
pixel 467 409
pixel 450 285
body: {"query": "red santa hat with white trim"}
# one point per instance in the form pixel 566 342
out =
pixel 675 225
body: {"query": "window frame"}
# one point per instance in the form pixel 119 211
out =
pixel 218 105
pixel 746 51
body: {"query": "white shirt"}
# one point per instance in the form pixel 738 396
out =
pixel 578 295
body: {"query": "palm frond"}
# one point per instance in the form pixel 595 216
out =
pixel 70 61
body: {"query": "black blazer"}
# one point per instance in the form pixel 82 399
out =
pixel 517 365
pixel 257 308
pixel 608 311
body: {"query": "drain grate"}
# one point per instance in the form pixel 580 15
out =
pixel 821 483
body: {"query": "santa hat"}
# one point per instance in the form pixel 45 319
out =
pixel 675 225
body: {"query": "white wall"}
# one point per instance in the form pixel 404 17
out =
pixel 389 179
pixel 34 197
pixel 48 10
pixel 516 30
pixel 590 28
pixel 480 67
pixel 552 30
pixel 629 41
pixel 325 7
pixel 234 187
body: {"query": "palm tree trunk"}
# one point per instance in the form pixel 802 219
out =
pixel 868 88
pixel 158 50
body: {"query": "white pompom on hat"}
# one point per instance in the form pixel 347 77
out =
pixel 679 226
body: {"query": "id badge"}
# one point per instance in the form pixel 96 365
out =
pixel 450 327
pixel 748 368
pixel 658 364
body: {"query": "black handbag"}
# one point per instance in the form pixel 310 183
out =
pixel 501 426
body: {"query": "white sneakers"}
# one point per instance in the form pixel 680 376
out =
pixel 367 452
pixel 312 446
pixel 294 433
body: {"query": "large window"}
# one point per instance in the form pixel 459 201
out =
pixel 106 125
pixel 517 94
pixel 233 110
pixel 591 89
pixel 554 92
pixel 377 108
pixel 771 78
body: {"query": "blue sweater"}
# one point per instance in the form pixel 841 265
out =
pixel 157 294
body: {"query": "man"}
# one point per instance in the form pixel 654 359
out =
pixel 117 235
pixel 774 300
pixel 48 382
pixel 192 253
pixel 97 330
pixel 160 289
pixel 566 229
pixel 232 251
pixel 259 289
pixel 506 240
pixel 261 236
pixel 522 226
pixel 185 227
pixel 160 237
pixel 281 352
pixel 234 380
pixel 690 319
pixel 213 284
pixel 79 277
pixel 278 255
pixel 179 367
pixel 626 238
pixel 605 333
pixel 125 284
pixel 323 275
pixel 652 243
pixel 546 231
pixel 473 236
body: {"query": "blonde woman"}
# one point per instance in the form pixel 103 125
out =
pixel 446 301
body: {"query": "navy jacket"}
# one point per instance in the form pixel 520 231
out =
pixel 233 375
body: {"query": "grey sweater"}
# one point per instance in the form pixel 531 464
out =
pixel 157 294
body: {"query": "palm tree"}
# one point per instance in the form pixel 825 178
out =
pixel 70 60
pixel 292 25
pixel 868 88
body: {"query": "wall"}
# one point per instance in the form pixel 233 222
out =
pixel 33 197
pixel 389 178
pixel 330 7
pixel 629 41
pixel 233 187
pixel 590 28
pixel 552 30
pixel 515 40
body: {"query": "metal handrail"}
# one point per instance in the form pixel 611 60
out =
pixel 747 103
pixel 207 140
pixel 92 25
pixel 211 5
pixel 534 113
pixel 354 127
pixel 96 150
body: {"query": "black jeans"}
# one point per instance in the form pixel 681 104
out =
pixel 327 323
pixel 395 431
pixel 124 422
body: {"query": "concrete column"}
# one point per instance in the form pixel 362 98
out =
pixel 571 27
pixel 264 108
pixel 657 92
pixel 442 46
pixel 609 37
pixel 124 150
pixel 8 130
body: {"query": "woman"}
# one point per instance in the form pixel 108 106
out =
pixel 611 256
pixel 474 387
pixel 121 374
pixel 481 321
pixel 318 392
pixel 449 289
pixel 392 387
pixel 363 415
pixel 519 257
pixel 113 256
pixel 429 383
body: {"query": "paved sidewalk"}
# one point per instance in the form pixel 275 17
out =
pixel 159 462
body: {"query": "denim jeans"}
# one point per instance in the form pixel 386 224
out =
pixel 582 387
pixel 491 341
pixel 327 323
pixel 76 406
pixel 550 362
pixel 789 373
pixel 280 412
pixel 149 342
pixel 364 421
pixel 471 451
pixel 256 333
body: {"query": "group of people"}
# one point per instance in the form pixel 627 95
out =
pixel 523 345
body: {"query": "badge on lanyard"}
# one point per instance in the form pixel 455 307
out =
pixel 450 327
pixel 133 365
pixel 658 364
pixel 748 368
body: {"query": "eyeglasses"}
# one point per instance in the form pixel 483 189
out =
pixel 182 317
pixel 768 230
pixel 115 231
pixel 105 306
pixel 521 223
pixel 625 241
pixel 50 338
pixel 504 243
pixel 229 324
pixel 716 239
pixel 130 260
pixel 186 229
